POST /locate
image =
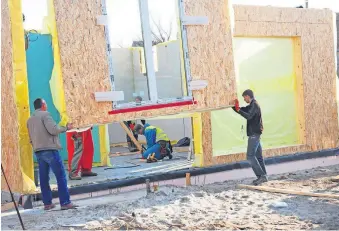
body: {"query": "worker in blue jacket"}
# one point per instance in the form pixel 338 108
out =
pixel 158 143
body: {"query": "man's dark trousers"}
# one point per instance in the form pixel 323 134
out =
pixel 254 156
pixel 51 159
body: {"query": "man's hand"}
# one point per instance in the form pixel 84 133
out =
pixel 235 102
pixel 236 105
pixel 69 126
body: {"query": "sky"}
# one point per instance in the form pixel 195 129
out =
pixel 124 19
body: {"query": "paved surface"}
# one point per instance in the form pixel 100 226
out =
pixel 124 167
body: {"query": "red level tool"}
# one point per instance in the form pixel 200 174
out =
pixel 152 107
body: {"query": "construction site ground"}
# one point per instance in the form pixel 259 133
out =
pixel 211 206
pixel 130 166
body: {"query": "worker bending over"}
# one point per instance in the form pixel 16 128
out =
pixel 158 143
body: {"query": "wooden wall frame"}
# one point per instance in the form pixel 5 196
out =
pixel 10 150
pixel 312 30
pixel 85 67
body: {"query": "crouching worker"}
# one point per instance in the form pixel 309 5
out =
pixel 158 143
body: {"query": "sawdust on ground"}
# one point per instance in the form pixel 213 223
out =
pixel 215 206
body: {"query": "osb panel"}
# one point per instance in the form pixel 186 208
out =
pixel 281 15
pixel 210 51
pixel 315 28
pixel 10 158
pixel 85 69
pixel 83 59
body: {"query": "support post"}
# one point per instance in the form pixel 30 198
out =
pixel 188 179
pixel 148 186
pixel 130 134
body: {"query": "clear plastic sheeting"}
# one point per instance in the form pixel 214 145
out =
pixel 265 65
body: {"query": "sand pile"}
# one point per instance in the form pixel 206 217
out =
pixel 215 206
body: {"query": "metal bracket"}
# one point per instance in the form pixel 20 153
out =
pixel 194 20
pixel 112 96
pixel 102 20
pixel 197 84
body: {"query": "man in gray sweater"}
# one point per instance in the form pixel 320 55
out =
pixel 43 133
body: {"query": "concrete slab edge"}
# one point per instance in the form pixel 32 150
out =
pixel 193 171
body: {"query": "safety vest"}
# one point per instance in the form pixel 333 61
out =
pixel 160 134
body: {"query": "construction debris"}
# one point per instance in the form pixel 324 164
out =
pixel 286 191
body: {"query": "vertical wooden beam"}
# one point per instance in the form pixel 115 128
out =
pixel 188 179
pixel 130 134
pixel 297 60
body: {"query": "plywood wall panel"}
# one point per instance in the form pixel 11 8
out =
pixel 267 29
pixel 10 157
pixel 315 29
pixel 83 59
pixel 85 65
pixel 283 15
pixel 210 51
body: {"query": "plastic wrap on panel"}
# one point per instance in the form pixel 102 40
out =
pixel 104 145
pixel 21 89
pixel 56 82
pixel 266 66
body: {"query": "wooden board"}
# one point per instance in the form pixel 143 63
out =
pixel 316 72
pixel 85 64
pixel 131 136
pixel 10 157
pixel 286 191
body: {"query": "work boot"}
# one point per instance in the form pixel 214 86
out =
pixel 253 182
pixel 131 147
pixel 133 150
pixel 85 174
pixel 69 206
pixel 49 207
pixel 74 177
pixel 260 180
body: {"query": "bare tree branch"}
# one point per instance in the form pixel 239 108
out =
pixel 158 32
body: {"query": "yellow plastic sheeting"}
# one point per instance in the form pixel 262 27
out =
pixel 21 89
pixel 197 140
pixel 104 145
pixel 266 66
pixel 28 183
pixel 56 82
